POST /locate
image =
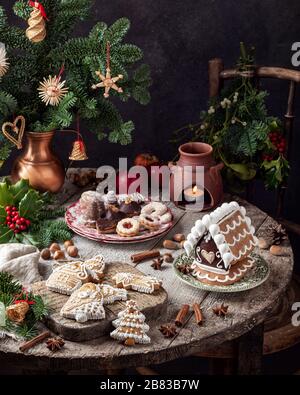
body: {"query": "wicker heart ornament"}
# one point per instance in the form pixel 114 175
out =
pixel 17 127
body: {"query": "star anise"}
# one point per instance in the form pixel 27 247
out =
pixel 278 234
pixel 168 330
pixel 55 343
pixel 221 311
pixel 157 263
pixel 184 268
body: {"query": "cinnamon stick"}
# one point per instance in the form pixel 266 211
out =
pixel 198 313
pixel 36 340
pixel 143 256
pixel 181 315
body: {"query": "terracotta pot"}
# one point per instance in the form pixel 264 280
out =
pixel 39 164
pixel 201 154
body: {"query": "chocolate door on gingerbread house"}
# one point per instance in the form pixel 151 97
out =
pixel 207 253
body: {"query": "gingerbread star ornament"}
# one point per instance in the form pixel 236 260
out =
pixel 107 81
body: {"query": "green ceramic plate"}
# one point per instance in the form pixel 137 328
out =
pixel 255 277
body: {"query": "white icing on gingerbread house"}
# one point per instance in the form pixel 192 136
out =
pixel 222 238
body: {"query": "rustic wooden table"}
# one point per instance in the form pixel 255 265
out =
pixel 247 310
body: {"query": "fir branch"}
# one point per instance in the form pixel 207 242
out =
pixel 9 285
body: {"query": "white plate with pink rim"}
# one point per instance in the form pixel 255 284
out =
pixel 75 222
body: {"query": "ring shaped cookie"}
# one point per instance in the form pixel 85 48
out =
pixel 154 208
pixel 166 218
pixel 128 227
pixel 150 222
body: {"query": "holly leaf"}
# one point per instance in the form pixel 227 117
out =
pixel 6 198
pixel 30 205
pixel 3 215
pixel 19 190
pixel 6 234
pixel 243 171
pixel 29 238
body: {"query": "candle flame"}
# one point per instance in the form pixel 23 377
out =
pixel 195 189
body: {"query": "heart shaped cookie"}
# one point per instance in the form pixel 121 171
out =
pixel 209 256
pixel 17 127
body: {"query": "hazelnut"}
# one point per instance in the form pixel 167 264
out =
pixel 54 247
pixel 262 244
pixel 179 237
pixel 45 254
pixel 68 243
pixel 170 245
pixel 168 257
pixel 72 251
pixel 59 255
pixel 279 251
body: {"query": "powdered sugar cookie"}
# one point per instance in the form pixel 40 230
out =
pixel 166 218
pixel 154 208
pixel 150 222
pixel 128 227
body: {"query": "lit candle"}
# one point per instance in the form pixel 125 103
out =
pixel 193 194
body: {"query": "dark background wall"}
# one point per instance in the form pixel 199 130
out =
pixel 178 38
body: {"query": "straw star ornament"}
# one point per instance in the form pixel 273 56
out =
pixel 3 61
pixel 52 90
pixel 107 81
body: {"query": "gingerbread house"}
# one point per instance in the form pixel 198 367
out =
pixel 221 243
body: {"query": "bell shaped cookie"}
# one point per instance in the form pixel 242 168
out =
pixel 71 276
pixel 86 303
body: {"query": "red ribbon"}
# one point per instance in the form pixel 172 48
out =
pixel 29 302
pixel 79 139
pixel 36 4
pixel 62 69
pixel 81 145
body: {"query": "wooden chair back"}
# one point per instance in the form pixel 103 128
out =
pixel 217 76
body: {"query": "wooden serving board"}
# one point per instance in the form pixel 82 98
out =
pixel 152 305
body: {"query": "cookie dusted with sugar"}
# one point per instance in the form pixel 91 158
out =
pixel 67 278
pixel 87 302
pixel 139 283
pixel 221 243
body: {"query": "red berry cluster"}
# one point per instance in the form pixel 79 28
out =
pixel 278 141
pixel 268 158
pixel 14 221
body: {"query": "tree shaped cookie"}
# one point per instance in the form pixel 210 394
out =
pixel 136 282
pixel 69 277
pixel 130 326
pixel 86 303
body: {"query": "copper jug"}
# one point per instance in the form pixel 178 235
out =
pixel 39 164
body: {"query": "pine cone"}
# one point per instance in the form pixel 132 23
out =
pixel 278 234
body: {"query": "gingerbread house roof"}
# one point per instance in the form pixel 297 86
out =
pixel 231 230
